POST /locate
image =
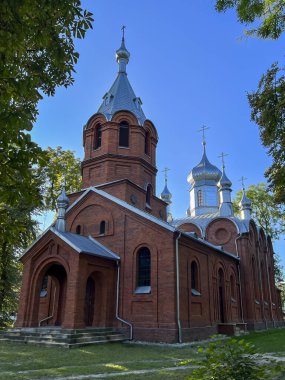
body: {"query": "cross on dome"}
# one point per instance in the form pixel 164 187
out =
pixel 203 129
pixel 222 156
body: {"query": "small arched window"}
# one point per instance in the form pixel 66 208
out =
pixel 148 195
pixel 78 230
pixel 194 279
pixel 233 288
pixel 124 134
pixel 143 268
pixel 98 136
pixel 200 198
pixel 43 291
pixel 146 143
pixel 102 227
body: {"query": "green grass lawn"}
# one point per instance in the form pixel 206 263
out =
pixel 268 341
pixel 25 362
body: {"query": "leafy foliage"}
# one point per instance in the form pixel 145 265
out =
pixel 267 103
pixel 61 166
pixel 230 360
pixel 267 214
pixel 37 54
pixel 269 15
pixel 268 111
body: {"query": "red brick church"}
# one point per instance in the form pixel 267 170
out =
pixel 115 257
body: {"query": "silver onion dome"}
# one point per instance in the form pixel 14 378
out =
pixel 224 180
pixel 166 195
pixel 122 52
pixel 245 203
pixel 204 171
pixel 62 200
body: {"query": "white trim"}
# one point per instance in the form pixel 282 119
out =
pixel 35 241
pixel 57 233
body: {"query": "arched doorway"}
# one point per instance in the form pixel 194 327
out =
pixel 221 295
pixel 52 296
pixel 89 302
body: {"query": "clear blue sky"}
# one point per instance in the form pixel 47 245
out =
pixel 191 66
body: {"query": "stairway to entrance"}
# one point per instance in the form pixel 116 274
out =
pixel 67 338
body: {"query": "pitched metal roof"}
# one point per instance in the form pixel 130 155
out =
pixel 83 244
pixel 121 96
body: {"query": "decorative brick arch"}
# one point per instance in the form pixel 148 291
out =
pixel 90 217
pixel 191 227
pixel 58 271
pixel 222 231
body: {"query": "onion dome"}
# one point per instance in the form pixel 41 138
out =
pixel 62 204
pixel 245 203
pixel 121 96
pixel 224 180
pixel 166 194
pixel 204 171
pixel 122 53
pixel 62 200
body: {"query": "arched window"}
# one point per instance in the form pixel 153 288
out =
pixel 143 267
pixel 124 134
pixel 98 136
pixel 233 288
pixel 78 230
pixel 148 194
pixel 200 198
pixel 146 143
pixel 195 279
pixel 102 227
pixel 43 292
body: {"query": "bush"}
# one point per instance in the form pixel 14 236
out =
pixel 231 359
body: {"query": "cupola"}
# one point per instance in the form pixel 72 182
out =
pixel 203 179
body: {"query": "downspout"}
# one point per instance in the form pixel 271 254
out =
pixel 178 289
pixel 261 286
pixel 269 288
pixel 117 303
pixel 239 278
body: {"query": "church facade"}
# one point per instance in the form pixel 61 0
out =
pixel 115 257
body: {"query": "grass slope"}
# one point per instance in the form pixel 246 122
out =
pixel 28 362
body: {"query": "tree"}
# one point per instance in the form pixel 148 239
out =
pixel 37 54
pixel 268 112
pixel 269 15
pixel 18 224
pixel 267 103
pixel 61 167
pixel 268 215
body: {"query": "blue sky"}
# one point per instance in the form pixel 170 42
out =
pixel 191 66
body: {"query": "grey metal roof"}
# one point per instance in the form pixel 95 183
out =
pixel 202 221
pixel 121 96
pixel 204 171
pixel 83 244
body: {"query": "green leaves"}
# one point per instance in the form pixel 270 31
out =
pixel 269 15
pixel 59 167
pixel 37 54
pixel 230 359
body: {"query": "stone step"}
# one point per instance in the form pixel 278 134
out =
pixel 64 337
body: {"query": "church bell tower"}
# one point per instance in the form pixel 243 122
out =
pixel 119 141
